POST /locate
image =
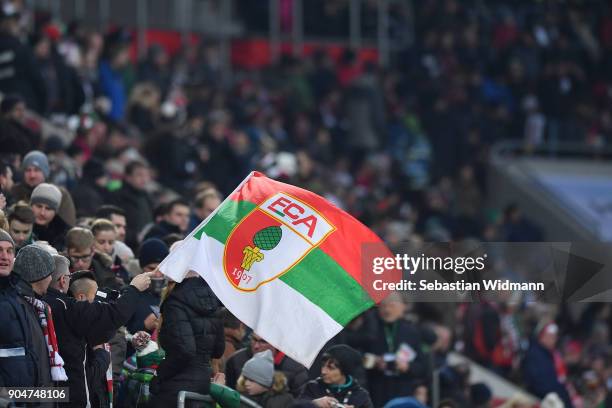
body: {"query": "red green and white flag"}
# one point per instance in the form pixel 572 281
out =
pixel 284 261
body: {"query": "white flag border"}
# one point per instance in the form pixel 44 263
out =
pixel 179 277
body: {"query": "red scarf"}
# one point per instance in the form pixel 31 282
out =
pixel 45 318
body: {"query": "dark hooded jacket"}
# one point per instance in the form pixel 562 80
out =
pixel 54 233
pixel 78 324
pixel 191 334
pixel 350 393
pixel 161 229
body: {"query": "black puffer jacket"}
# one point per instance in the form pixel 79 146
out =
pixel 191 334
pixel 350 394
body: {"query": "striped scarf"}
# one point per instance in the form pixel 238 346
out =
pixel 109 376
pixel 45 318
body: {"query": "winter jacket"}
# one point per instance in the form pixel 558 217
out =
pixel 39 343
pixel 359 337
pixel 540 374
pixel 297 374
pixel 138 209
pixel 19 73
pixel 97 364
pixel 191 334
pixel 102 267
pixel 350 393
pixel 78 324
pixel 113 87
pixel 385 385
pixel 145 303
pixel 24 360
pixel 54 233
pixel 15 138
pixel 277 396
pixel 87 197
pixel 161 229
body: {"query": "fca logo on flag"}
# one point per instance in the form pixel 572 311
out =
pixel 271 239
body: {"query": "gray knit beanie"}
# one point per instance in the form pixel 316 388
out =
pixel 33 263
pixel 5 236
pixel 48 194
pixel 260 369
pixel 38 159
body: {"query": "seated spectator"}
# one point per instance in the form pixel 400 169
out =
pixel 36 170
pixel 337 384
pixel 261 384
pixel 21 223
pixel 48 226
pixel 296 374
pixel 83 257
pixel 174 221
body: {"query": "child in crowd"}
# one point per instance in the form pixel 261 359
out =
pixel 261 384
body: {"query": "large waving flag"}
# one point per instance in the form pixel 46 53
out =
pixel 284 261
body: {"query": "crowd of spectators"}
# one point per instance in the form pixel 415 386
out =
pixel 154 144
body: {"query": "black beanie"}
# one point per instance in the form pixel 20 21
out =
pixel 152 250
pixel 348 358
pixel 93 169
